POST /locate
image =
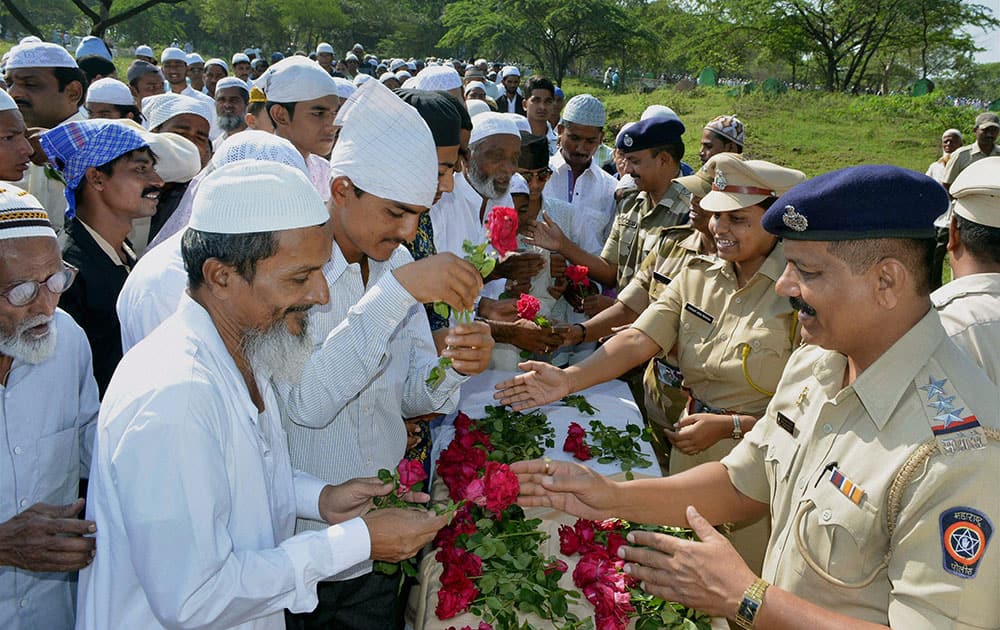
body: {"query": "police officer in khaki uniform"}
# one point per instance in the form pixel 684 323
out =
pixel 873 455
pixel 969 305
pixel 733 333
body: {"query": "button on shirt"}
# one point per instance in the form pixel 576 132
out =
pixel 634 234
pixel 592 195
pixel 49 413
pixel 195 498
pixel 876 423
pixel 373 353
pixel 970 311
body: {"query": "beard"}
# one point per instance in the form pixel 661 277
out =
pixel 24 347
pixel 485 186
pixel 229 122
pixel 277 353
pixel 801 305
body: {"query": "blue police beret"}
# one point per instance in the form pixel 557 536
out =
pixel 859 202
pixel 649 133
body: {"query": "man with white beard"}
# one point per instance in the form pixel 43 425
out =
pixel 231 98
pixel 48 413
pixel 192 482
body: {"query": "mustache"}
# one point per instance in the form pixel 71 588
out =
pixel 801 305
pixel 150 189
pixel 20 102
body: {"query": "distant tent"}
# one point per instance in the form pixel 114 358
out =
pixel 749 87
pixel 773 87
pixel 995 106
pixel 708 77
pixel 923 87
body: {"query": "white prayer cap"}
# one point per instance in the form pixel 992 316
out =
pixel 109 90
pixel 177 158
pixel 345 88
pixel 474 85
pixel 194 58
pixel 30 39
pixel 385 76
pixel 350 57
pixel 256 196
pixel 296 79
pixel 172 54
pixel 240 58
pixel 412 65
pixel 228 82
pixel 217 62
pixel 377 128
pixel 519 120
pixel 409 84
pixel 438 78
pixel 519 185
pixel 39 55
pixel 360 79
pixel 253 144
pixel 659 111
pixel 396 64
pixel 90 46
pixel 143 51
pixel 509 71
pixel 585 109
pixel 324 48
pixel 6 102
pixel 476 107
pixel 21 215
pixel 493 124
pixel 403 75
pixel 480 61
pixel 160 108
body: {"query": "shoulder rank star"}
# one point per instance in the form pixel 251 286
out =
pixel 794 220
pixel 934 388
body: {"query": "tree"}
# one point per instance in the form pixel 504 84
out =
pixel 553 33
pixel 101 16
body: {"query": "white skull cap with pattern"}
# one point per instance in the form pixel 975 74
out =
pixel 295 79
pixel 39 55
pixel 585 109
pixel 659 111
pixel 253 144
pixel 519 120
pixel 160 108
pixel 345 88
pixel 377 127
pixel 438 78
pixel 109 90
pixel 493 124
pixel 410 84
pixel 6 102
pixel 230 82
pixel 256 196
pixel 477 107
pixel 172 54
pixel 22 215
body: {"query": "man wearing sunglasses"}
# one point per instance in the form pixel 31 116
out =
pixel 49 413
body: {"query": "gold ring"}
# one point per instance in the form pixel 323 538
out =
pixel 547 462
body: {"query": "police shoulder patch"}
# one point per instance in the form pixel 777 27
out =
pixel 965 534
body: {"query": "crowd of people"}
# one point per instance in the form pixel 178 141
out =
pixel 222 289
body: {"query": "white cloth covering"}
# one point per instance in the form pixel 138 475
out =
pixel 196 497
pixel 49 413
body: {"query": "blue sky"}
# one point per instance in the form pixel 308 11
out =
pixel 989 40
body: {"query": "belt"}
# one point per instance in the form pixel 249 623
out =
pixel 696 406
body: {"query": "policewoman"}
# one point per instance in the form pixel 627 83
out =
pixel 733 333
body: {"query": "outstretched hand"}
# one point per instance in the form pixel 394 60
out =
pixel 541 384
pixel 565 486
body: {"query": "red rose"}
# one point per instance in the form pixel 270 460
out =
pixel 475 491
pixel 585 530
pixel 569 541
pixel 609 525
pixel 451 602
pixel 501 227
pixel 528 307
pixel 578 275
pixel 591 568
pixel 615 542
pixel 558 566
pixel 575 442
pixel 502 487
pixel 462 424
pixel 411 472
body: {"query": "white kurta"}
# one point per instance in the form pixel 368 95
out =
pixel 592 194
pixel 195 497
pixel 152 291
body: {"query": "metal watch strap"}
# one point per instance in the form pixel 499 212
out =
pixel 737 427
pixel 753 599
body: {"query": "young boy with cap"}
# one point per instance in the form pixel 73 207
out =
pixel 722 134
pixel 112 99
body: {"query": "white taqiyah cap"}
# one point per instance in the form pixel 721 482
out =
pixel 509 71
pixel 403 75
pixel 91 46
pixel 215 61
pixel 345 88
pixel 659 111
pixel 240 58
pixel 172 54
pixel 6 102
pixel 438 78
pixel 377 128
pixel 493 124
pixel 256 196
pixel 39 55
pixel 324 48
pixel 21 215
pixel 177 158
pixel 160 108
pixel 109 90
pixel 253 144
pixel 229 82
pixel 519 120
pixel 474 85
pixel 143 51
pixel 194 58
pixel 296 79
pixel 396 64
pixel 585 109
pixel 360 79
pixel 977 192
pixel 477 107
pixel 385 76
pixel 519 185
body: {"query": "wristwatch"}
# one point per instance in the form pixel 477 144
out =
pixel 753 599
pixel 583 331
pixel 737 427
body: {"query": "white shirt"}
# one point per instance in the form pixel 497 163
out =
pixel 970 313
pixel 195 498
pixel 593 194
pixel 373 354
pixel 152 291
pixel 319 175
pixel 49 413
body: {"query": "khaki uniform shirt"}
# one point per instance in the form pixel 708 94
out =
pixel 970 312
pixel 729 339
pixel 633 233
pixel 859 436
pixel 961 158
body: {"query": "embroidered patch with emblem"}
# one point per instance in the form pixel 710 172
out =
pixel 794 220
pixel 627 140
pixel 659 277
pixel 965 534
pixel 720 181
pixel 697 312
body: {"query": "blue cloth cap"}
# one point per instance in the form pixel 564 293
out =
pixel 649 133
pixel 859 202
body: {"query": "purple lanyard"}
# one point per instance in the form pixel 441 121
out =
pixel 570 185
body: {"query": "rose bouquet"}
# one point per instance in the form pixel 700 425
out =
pixel 580 286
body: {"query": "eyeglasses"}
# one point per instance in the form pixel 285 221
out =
pixel 542 174
pixel 25 293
